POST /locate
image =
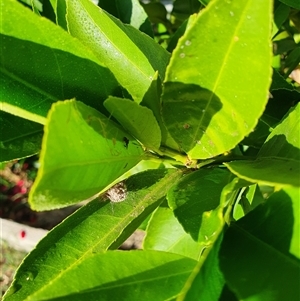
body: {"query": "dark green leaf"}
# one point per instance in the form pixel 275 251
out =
pixel 255 257
pixel 129 12
pixel 207 281
pixel 19 137
pixel 292 3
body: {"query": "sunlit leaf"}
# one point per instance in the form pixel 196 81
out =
pixel 213 92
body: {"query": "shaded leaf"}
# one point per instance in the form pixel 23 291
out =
pixel 164 233
pixel 19 137
pixel 195 200
pixel 206 282
pixel 292 3
pixel 201 109
pixel 278 162
pixel 82 153
pixel 129 12
pixel 288 210
pixel 259 266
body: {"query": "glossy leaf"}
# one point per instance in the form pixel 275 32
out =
pixel 137 120
pixel 19 137
pixel 260 267
pixel 281 13
pixel 129 12
pixel 278 162
pixel 131 56
pixel 292 3
pixel 288 210
pixel 164 233
pixel 194 200
pixel 82 153
pixel 211 102
pixel 41 63
pixel 206 281
pixel 96 227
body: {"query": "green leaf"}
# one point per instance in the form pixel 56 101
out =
pixel 60 11
pixel 127 275
pixel 94 228
pixel 164 233
pixel 288 198
pixel 281 13
pixel 83 152
pixel 152 102
pixel 195 200
pixel 201 109
pixel 129 12
pixel 38 68
pixel 292 3
pixel 259 266
pixel 137 120
pixel 19 137
pixel 206 282
pixel 131 56
pixel 278 162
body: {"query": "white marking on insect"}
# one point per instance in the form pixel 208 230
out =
pixel 117 193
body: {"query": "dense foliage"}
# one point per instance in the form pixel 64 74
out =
pixel 196 112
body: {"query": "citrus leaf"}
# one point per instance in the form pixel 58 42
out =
pixel 278 162
pixel 164 233
pixel 195 200
pixel 260 267
pixel 132 273
pixel 206 281
pixel 94 228
pixel 82 153
pixel 19 137
pixel 137 120
pixel 131 56
pixel 38 68
pixel 129 12
pixel 292 3
pixel 214 93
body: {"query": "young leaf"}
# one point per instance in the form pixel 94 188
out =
pixel 278 162
pixel 83 152
pixel 131 56
pixel 94 228
pixel 137 120
pixel 213 92
pixel 259 266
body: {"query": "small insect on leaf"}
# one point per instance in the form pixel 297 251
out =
pixel 126 142
pixel 117 193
